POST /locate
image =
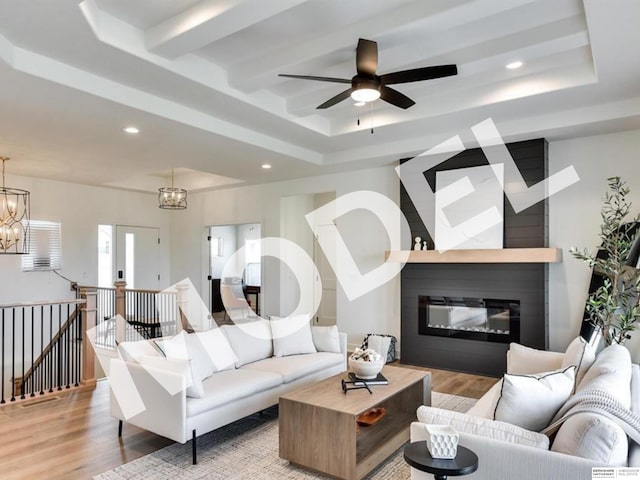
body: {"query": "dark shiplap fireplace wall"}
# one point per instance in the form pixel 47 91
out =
pixel 525 282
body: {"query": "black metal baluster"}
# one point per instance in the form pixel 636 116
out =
pixel 74 345
pixel 145 314
pixel 33 370
pixel 67 351
pixel 78 344
pixel 42 368
pixel 2 345
pixel 45 376
pixel 51 350
pixel 148 315
pixel 59 348
pixel 22 381
pixel 13 355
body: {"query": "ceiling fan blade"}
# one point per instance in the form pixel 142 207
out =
pixel 396 98
pixel 367 57
pixel 337 99
pixel 319 79
pixel 419 74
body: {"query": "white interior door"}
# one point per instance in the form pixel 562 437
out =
pixel 138 257
pixel 326 314
pixel 327 311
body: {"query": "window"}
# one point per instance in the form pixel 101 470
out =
pixel 45 247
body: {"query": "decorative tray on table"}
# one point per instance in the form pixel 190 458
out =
pixel 372 416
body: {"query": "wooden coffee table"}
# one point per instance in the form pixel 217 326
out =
pixel 318 428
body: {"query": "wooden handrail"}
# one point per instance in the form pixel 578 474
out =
pixel 19 381
pixel 42 303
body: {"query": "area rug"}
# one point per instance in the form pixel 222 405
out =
pixel 248 448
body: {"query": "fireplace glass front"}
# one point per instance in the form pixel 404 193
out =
pixel 485 319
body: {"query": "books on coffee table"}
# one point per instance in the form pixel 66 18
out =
pixel 379 380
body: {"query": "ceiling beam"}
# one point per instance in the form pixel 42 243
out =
pixel 208 21
pixel 262 71
pixel 476 55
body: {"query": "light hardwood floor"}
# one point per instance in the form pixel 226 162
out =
pixel 73 437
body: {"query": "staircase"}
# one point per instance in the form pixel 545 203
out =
pixel 44 348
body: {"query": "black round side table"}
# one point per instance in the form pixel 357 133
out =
pixel 417 455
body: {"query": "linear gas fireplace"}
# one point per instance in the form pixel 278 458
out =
pixel 485 319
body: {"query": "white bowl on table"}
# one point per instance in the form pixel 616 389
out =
pixel 366 370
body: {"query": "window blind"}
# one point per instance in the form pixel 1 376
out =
pixel 45 247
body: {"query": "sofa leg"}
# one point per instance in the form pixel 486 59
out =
pixel 193 447
pixel 120 428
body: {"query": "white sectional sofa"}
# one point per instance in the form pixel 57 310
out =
pixel 504 426
pixel 243 370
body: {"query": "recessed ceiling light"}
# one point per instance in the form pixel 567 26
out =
pixel 131 130
pixel 514 65
pixel 266 166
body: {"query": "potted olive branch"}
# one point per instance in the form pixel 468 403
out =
pixel 613 308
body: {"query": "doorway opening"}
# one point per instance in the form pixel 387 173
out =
pixel 223 242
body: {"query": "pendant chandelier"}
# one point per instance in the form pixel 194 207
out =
pixel 14 218
pixel 172 198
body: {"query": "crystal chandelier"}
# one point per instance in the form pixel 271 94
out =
pixel 172 198
pixel 14 218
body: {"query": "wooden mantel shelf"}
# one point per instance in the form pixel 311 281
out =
pixel 498 255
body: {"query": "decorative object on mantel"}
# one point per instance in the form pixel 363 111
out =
pixel 172 198
pixel 14 218
pixel 366 364
pixel 613 308
pixel 416 246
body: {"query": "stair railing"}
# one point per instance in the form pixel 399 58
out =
pixel 44 347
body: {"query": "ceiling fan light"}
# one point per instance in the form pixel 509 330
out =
pixel 365 94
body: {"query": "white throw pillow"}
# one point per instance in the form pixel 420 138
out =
pixel 132 351
pixel 326 339
pixel 292 335
pixel 581 355
pixel 250 341
pixel 179 366
pixel 218 348
pixel 483 427
pixel 610 372
pixel 187 346
pixel 523 360
pixel 592 436
pixel 531 401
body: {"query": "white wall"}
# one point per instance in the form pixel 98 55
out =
pixel 377 312
pixel 574 220
pixel 79 208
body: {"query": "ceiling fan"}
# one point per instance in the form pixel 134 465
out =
pixel 367 86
